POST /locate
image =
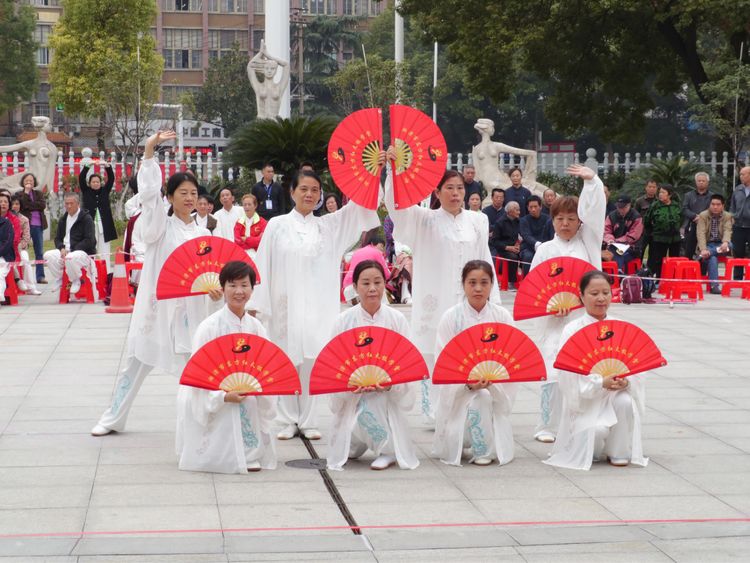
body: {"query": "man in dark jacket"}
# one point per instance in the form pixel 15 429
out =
pixel 739 207
pixel 535 228
pixel 269 195
pixel 696 201
pixel 517 192
pixel 74 242
pixel 496 209
pixel 472 186
pixel 505 242
pixel 96 203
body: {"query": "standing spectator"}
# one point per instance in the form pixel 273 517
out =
pixel 472 186
pixel 28 282
pixel 202 216
pixel 623 227
pixel 332 202
pixel 610 205
pixel 740 209
pixel 496 209
pixel 7 243
pixel 548 198
pixel 475 203
pixel 714 237
pixel 642 205
pixel 663 220
pixel 227 216
pixel 372 249
pixel 96 203
pixel 74 242
pixel 269 194
pixel 535 228
pixel 249 228
pixel 696 202
pixel 516 192
pixel 33 205
pixel 505 242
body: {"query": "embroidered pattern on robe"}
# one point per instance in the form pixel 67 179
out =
pixel 478 444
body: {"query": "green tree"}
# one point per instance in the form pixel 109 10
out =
pixel 104 58
pixel 226 98
pixel 18 70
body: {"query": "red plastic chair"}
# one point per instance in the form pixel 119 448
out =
pixel 610 268
pixel 729 284
pixel 101 278
pixel 129 267
pixel 86 292
pixel 501 273
pixel 11 289
pixel 633 266
pixel 668 272
pixel 690 272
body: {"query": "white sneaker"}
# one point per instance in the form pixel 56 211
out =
pixel 544 437
pixel 288 432
pixel 75 287
pixel 100 430
pixel 382 462
pixel 253 466
pixel 482 461
pixel 311 434
pixel 34 292
pixel 22 285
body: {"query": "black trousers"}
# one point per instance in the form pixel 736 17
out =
pixel 740 240
pixel 691 239
pixel 660 250
pixel 511 263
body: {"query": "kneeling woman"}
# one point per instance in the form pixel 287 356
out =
pixel 601 415
pixel 474 416
pixel 373 418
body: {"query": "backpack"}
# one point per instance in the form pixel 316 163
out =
pixel 648 284
pixel 631 290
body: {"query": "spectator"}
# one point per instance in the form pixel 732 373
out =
pixel 472 186
pixel 249 228
pixel 202 216
pixel 33 205
pixel 28 282
pixel 269 194
pixel 332 202
pixel 696 202
pixel 475 203
pixel 390 250
pixel 662 221
pixel 610 205
pixel 516 192
pixel 401 276
pixel 372 249
pixel 7 243
pixel 714 237
pixel 535 228
pixel 133 204
pixel 14 221
pixel 74 241
pixel 548 198
pixel 505 242
pixel 496 209
pixel 227 216
pixel 96 204
pixel 623 229
pixel 642 205
pixel 739 207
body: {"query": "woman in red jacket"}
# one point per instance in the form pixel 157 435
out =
pixel 249 229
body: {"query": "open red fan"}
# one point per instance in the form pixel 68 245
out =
pixel 363 357
pixel 240 362
pixel 421 155
pixel 353 156
pixel 609 348
pixel 494 352
pixel 193 267
pixel 549 287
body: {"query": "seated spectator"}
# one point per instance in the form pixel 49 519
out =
pixel 623 229
pixel 202 216
pixel 7 244
pixel 535 228
pixel 390 250
pixel 505 242
pixel 548 198
pixel 249 228
pixel 517 192
pixel 714 233
pixel 332 202
pixel 475 203
pixel 496 209
pixel 403 267
pixel 373 248
pixel 74 241
pixel 28 282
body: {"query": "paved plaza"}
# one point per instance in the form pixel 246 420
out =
pixel 67 496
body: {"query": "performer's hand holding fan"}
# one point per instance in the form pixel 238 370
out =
pixel 366 357
pixel 609 348
pixel 550 287
pixel 493 352
pixel 246 363
pixel 193 267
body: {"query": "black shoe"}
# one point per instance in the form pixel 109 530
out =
pixel 41 281
pixel 715 291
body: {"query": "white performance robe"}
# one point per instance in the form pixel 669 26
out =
pixel 462 415
pixel 225 221
pixel 374 420
pixel 223 437
pixel 589 415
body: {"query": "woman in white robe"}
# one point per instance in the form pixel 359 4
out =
pixel 374 418
pixel 442 241
pixel 299 261
pixel 579 231
pixel 601 415
pixel 475 416
pixel 225 432
pixel 160 332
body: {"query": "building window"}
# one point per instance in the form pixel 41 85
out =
pixel 228 6
pixel 260 7
pixel 183 48
pixel 41 109
pixel 41 36
pixel 182 5
pixel 174 94
pixel 362 8
pixel 318 7
pixel 258 35
pixel 221 42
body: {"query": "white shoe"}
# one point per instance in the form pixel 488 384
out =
pixel 482 461
pixel 382 462
pixel 100 430
pixel 75 287
pixel 544 437
pixel 253 466
pixel 288 432
pixel 22 285
pixel 311 434
pixel 406 301
pixel 34 292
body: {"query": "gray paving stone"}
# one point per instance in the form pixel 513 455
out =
pixel 145 545
pixel 25 548
pixel 439 538
pixel 561 535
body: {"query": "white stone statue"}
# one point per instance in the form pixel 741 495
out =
pixel 40 160
pixel 268 92
pixel 489 170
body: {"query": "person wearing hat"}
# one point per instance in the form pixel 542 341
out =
pixel 623 229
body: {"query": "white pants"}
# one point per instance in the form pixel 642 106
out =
pixel 74 262
pixel 430 394
pixel 103 249
pixel 550 409
pixel 126 389
pixel 4 270
pixel 479 434
pixel 300 409
pixel 372 430
pixel 616 441
pixel 29 275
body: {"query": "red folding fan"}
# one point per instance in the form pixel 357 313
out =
pixel 421 155
pixel 551 286
pixel 240 362
pixel 609 348
pixel 364 357
pixel 193 267
pixel 494 352
pixel 353 153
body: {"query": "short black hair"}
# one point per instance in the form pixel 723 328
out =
pixel 720 197
pixel 496 190
pixel 306 174
pixel 236 270
pixel 533 198
pixel 36 182
pixel 176 180
pixel 366 265
pixel 231 191
pixel 207 197
pixel 472 265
